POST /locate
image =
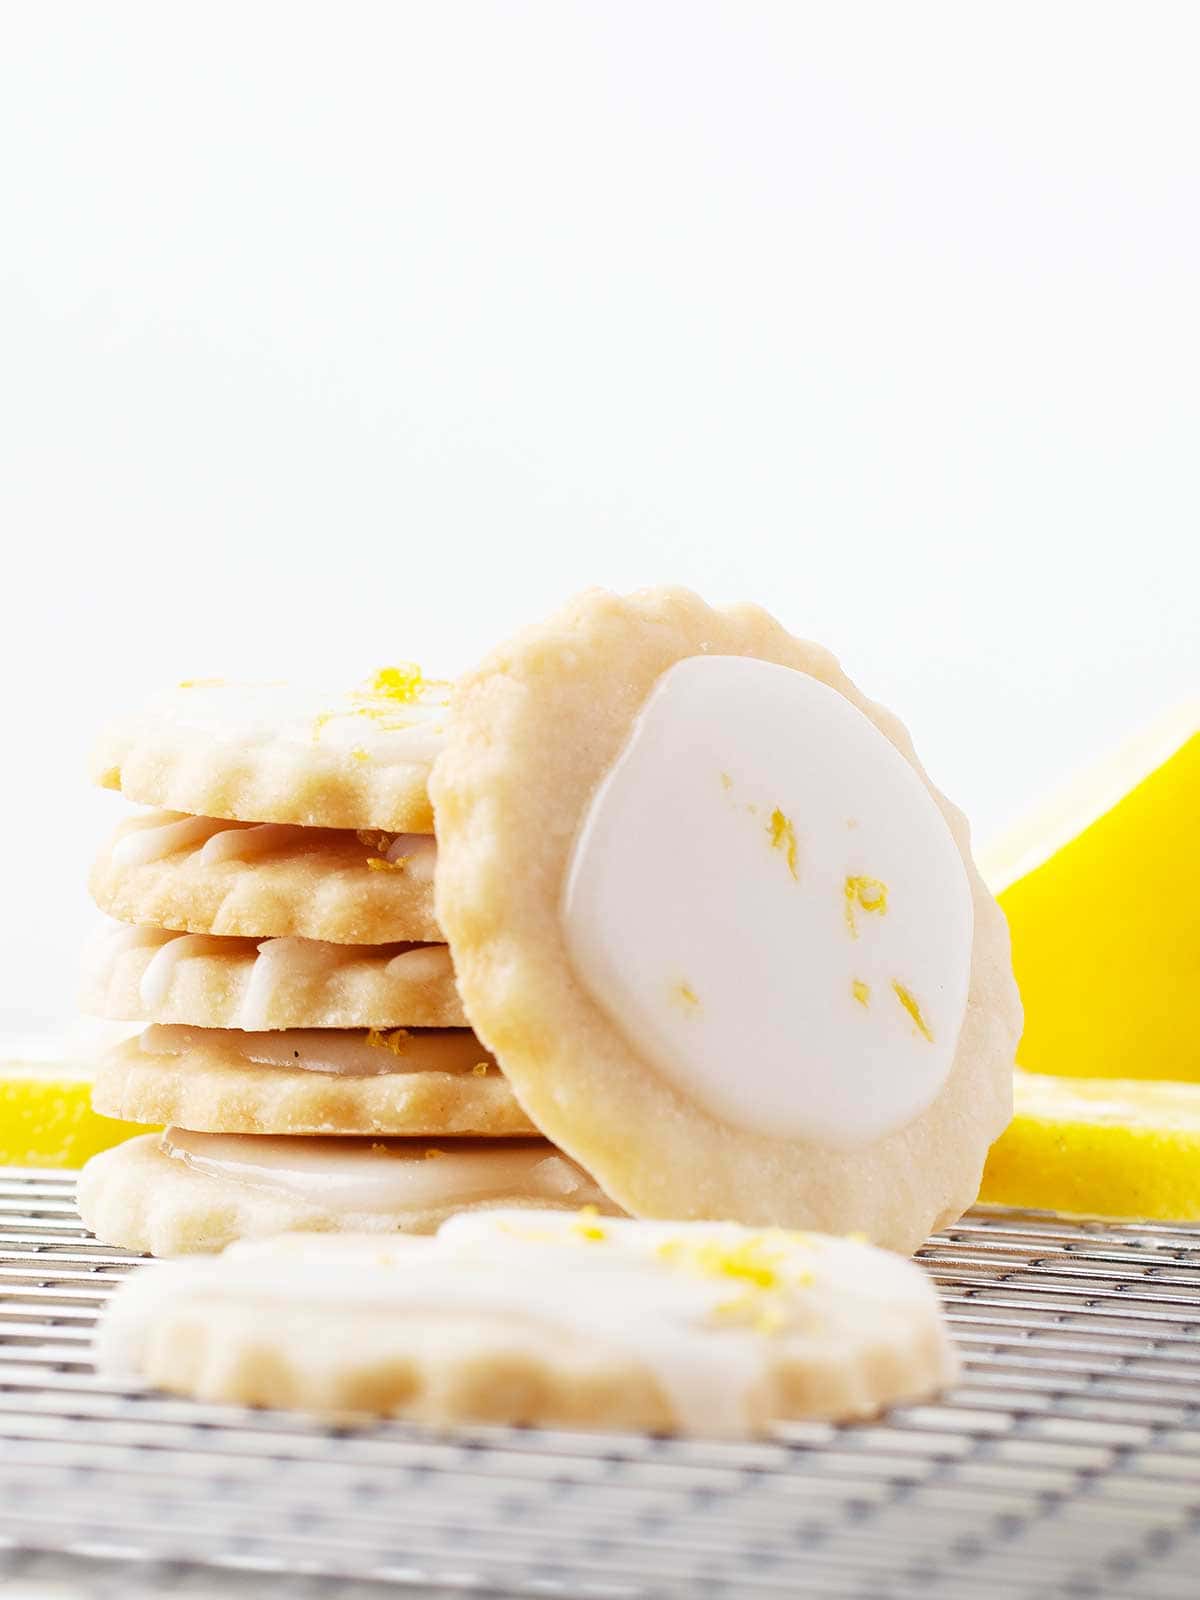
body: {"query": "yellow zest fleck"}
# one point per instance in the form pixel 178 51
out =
pixel 761 1311
pixel 319 722
pixel 861 991
pixel 480 1069
pixel 433 1153
pixel 867 894
pixel 686 997
pixel 402 684
pixel 585 1228
pixel 783 837
pixel 375 839
pixel 359 754
pixel 382 864
pixel 726 781
pixel 908 1001
pixel 202 683
pixel 754 1260
pixel 394 1039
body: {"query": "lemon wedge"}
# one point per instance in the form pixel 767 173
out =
pixel 1102 893
pixel 1099 1147
pixel 46 1116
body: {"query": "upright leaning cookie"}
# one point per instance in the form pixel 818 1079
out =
pixel 725 939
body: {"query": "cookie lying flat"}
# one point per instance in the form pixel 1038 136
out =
pixel 184 1193
pixel 722 934
pixel 532 1317
pixel 309 1081
pixel 149 975
pixel 279 752
pixel 268 880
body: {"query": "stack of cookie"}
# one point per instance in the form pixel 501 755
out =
pixel 275 930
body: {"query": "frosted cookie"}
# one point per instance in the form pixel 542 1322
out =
pixel 538 1318
pixel 280 752
pixel 150 975
pixel 309 1081
pixel 184 1193
pixel 268 880
pixel 721 932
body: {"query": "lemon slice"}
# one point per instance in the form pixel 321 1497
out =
pixel 46 1116
pixel 1100 1147
pixel 1102 893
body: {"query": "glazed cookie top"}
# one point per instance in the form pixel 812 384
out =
pixel 735 1328
pixel 281 752
pixel 724 936
pixel 152 975
pixel 268 879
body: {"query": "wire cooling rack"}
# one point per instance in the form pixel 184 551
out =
pixel 1067 1464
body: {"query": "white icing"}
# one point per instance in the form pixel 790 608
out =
pixel 422 963
pixel 668 1296
pixel 343 1052
pixel 373 1175
pixel 245 844
pixel 418 851
pixel 277 958
pixel 152 842
pixel 725 955
pixel 160 970
pixel 286 713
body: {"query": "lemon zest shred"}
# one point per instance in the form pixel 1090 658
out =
pixel 375 839
pixel 585 1228
pixel 401 683
pixel 908 1000
pixel 686 997
pixel 861 991
pixel 382 864
pixel 867 894
pixel 783 837
pixel 393 1039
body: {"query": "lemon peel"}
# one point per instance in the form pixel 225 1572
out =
pixel 1103 1147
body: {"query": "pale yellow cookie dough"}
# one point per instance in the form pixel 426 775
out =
pixel 148 975
pixel 435 1083
pixel 140 1198
pixel 536 1318
pixel 534 730
pixel 279 752
pixel 315 883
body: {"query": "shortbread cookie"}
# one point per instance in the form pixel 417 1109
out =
pixel 309 1081
pixel 278 752
pixel 724 937
pixel 149 975
pixel 533 1317
pixel 268 880
pixel 184 1193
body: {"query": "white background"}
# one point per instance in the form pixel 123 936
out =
pixel 342 333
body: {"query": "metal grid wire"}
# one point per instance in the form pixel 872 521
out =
pixel 1066 1464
